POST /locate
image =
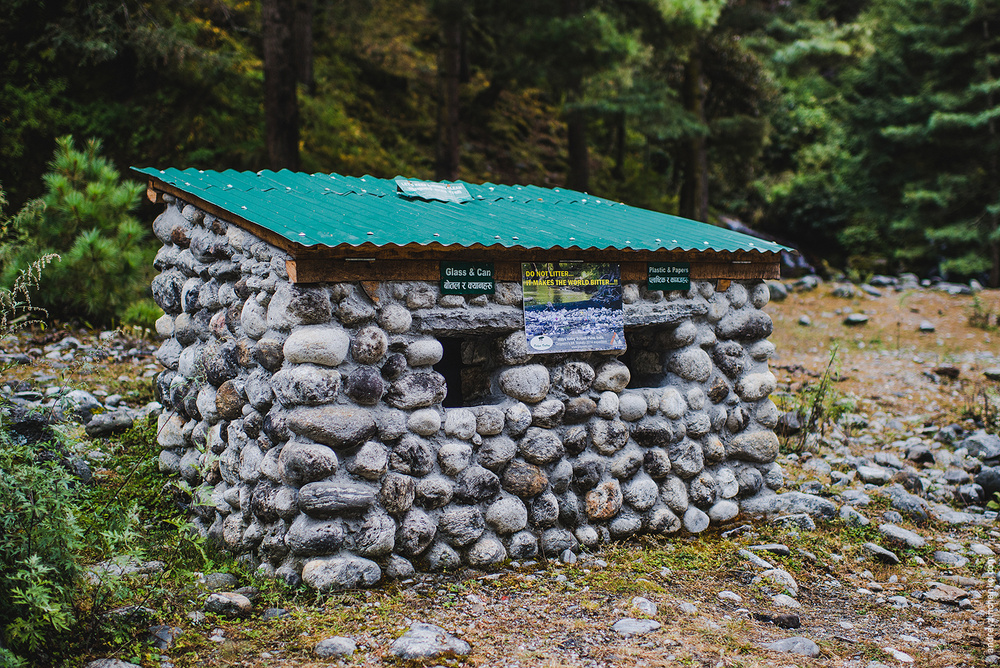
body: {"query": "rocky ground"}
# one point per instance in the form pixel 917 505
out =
pixel 892 400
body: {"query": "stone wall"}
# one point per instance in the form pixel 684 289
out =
pixel 310 419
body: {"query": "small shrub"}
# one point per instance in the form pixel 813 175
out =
pixel 979 315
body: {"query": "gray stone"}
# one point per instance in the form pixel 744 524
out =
pixel 425 642
pixel 370 461
pixel 795 645
pixel 745 325
pixel 518 419
pixel 443 557
pixel 641 493
pixel 489 420
pixel 756 386
pixel 507 515
pixel 294 305
pixel 629 627
pixel 340 427
pixel 769 505
pixel 325 345
pixel 691 363
pixel 982 445
pixel 609 436
pixel 228 604
pixel 674 493
pixel 332 499
pixel 103 425
pixel 495 452
pixel 632 406
pixel 434 492
pixel 656 462
pixel 950 559
pixel 856 319
pixel 399 568
pixel 301 462
pixel 306 384
pixel 337 573
pixel 875 475
pixel 486 552
pixel 424 352
pixel 781 578
pixel 612 377
pixel 695 520
pixel 460 423
pixel 376 537
pixel 852 517
pixel 557 541
pixel 476 484
pixel 549 413
pixel 529 384
pixel 426 421
pixel 307 536
pixel 723 511
pixel 394 318
pixel 686 457
pixel 902 536
pixel 523 545
pixel 369 346
pixel 541 446
pixel 335 648
pixel 577 377
pixel 455 456
pixel 905 502
pixel 417 390
pixel 524 479
pixel 543 511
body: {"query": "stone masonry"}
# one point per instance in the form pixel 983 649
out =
pixel 309 419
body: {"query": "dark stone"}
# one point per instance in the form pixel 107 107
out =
pixel 221 362
pixel 571 513
pixel 246 353
pixel 434 492
pixel 579 409
pixel 653 433
pixel 970 494
pixel 718 390
pixel 252 424
pixel 416 533
pixel 309 306
pixel 107 424
pixel 989 479
pixel 730 358
pixel 309 537
pixel 476 484
pixel 524 479
pixel 330 499
pixel 242 290
pixel 413 456
pixel 230 399
pixel 276 426
pixel 750 480
pixel 365 386
pixel 575 440
pixel 587 473
pixel 270 354
pixel 167 289
pixel 782 621
pixel 657 463
pixel 543 511
pixel 398 492
pixel 394 367
pixel 234 313
pixel 920 454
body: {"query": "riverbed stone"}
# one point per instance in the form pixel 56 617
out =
pixel 324 345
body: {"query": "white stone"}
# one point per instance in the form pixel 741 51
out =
pixel 326 345
pixel 426 421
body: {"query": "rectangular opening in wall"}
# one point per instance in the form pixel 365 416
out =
pixel 467 368
pixel 643 359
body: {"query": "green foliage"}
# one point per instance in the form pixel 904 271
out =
pixel 85 216
pixel 40 556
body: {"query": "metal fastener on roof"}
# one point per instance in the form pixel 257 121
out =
pixel 658 241
pixel 243 207
pixel 371 234
pixel 514 238
pixel 302 234
pixel 497 236
pixel 436 234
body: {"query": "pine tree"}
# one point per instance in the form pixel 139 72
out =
pixel 85 217
pixel 925 116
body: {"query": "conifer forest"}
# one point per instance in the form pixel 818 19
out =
pixel 863 132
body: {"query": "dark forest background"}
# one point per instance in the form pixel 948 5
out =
pixel 861 131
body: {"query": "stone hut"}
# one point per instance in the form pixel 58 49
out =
pixel 344 416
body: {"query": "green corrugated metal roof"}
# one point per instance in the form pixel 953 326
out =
pixel 333 210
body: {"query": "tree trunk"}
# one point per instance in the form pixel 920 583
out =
pixel 449 71
pixel 694 189
pixel 303 44
pixel 281 107
pixel 579 155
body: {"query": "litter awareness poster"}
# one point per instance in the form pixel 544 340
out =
pixel 572 306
